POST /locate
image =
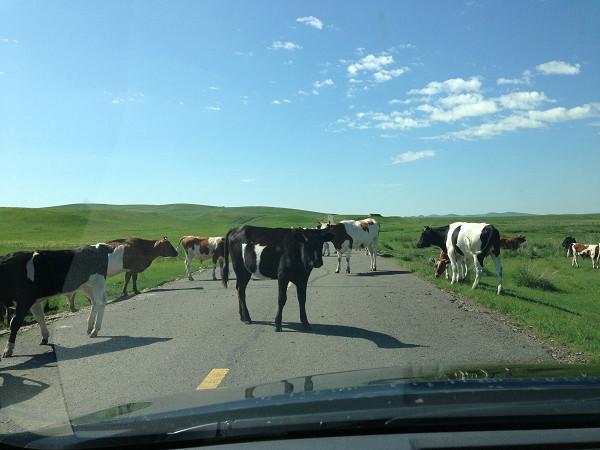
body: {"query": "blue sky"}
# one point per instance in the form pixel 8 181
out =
pixel 392 107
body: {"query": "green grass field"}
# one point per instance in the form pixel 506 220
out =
pixel 542 291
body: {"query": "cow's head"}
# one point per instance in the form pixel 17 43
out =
pixel 428 238
pixel 569 240
pixel 440 265
pixel 311 246
pixel 165 248
pixel 520 239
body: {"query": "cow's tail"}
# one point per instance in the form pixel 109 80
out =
pixel 179 244
pixel 226 258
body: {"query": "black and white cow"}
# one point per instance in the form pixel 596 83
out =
pixel 287 255
pixel 26 278
pixel 354 234
pixel 461 240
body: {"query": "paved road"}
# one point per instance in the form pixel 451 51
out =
pixel 168 339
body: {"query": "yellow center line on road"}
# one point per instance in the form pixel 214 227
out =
pixel 213 379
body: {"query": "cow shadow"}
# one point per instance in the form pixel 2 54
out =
pixel 191 288
pixel 17 389
pixel 382 340
pixel 539 302
pixel 110 345
pixel 381 272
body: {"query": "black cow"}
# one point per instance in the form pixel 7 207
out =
pixel 287 255
pixel 567 243
pixel 28 277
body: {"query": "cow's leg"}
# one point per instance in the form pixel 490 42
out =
pixel 498 264
pixel 127 278
pixel 301 292
pixel 574 261
pixel 71 299
pixel 348 254
pixel 37 309
pixel 134 276
pixel 91 317
pixel 15 324
pixel 242 277
pixel 339 261
pixel 454 266
pixel 478 260
pixel 281 299
pixel 214 261
pixel 188 266
pixel 221 264
pixel 373 250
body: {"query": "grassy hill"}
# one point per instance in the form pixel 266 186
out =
pixel 542 291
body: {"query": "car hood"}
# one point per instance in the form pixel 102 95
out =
pixel 210 412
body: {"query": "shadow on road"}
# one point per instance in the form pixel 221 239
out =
pixel 382 340
pixel 381 272
pixel 17 389
pixel 192 288
pixel 112 344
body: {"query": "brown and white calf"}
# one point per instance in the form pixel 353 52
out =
pixel 203 248
pixel 591 251
pixel 441 264
pixel 512 243
pixel 350 234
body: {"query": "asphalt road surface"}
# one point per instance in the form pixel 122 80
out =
pixel 169 339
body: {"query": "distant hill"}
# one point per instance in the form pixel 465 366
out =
pixel 489 214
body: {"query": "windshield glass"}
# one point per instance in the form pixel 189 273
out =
pixel 199 196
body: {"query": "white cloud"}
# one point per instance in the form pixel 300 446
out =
pixel 281 102
pixel 395 48
pixel 523 100
pixel 386 75
pixel 320 84
pixel 289 46
pixel 360 51
pixel 451 86
pixel 213 108
pixel 558 68
pixel 213 88
pixel 311 21
pixel 377 120
pixel 471 107
pixel 412 156
pixel 248 180
pixel 370 63
pixel 133 97
pixel 529 119
pixel 525 79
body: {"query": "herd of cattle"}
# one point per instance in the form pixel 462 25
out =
pixel 285 254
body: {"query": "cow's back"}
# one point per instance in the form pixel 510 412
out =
pixel 138 253
pixel 362 232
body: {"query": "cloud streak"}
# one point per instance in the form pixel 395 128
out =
pixel 407 157
pixel 311 21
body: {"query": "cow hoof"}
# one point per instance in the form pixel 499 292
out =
pixel 44 341
pixel 136 292
pixel 215 279
pixel 337 271
pixel 7 353
pixel 191 278
pixel 278 329
pixel 306 326
pixel 248 322
pixel 73 310
pixel 94 333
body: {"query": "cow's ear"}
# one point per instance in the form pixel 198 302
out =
pixel 426 228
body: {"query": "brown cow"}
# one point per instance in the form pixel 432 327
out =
pixel 139 254
pixel 203 248
pixel 511 243
pixel 441 264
